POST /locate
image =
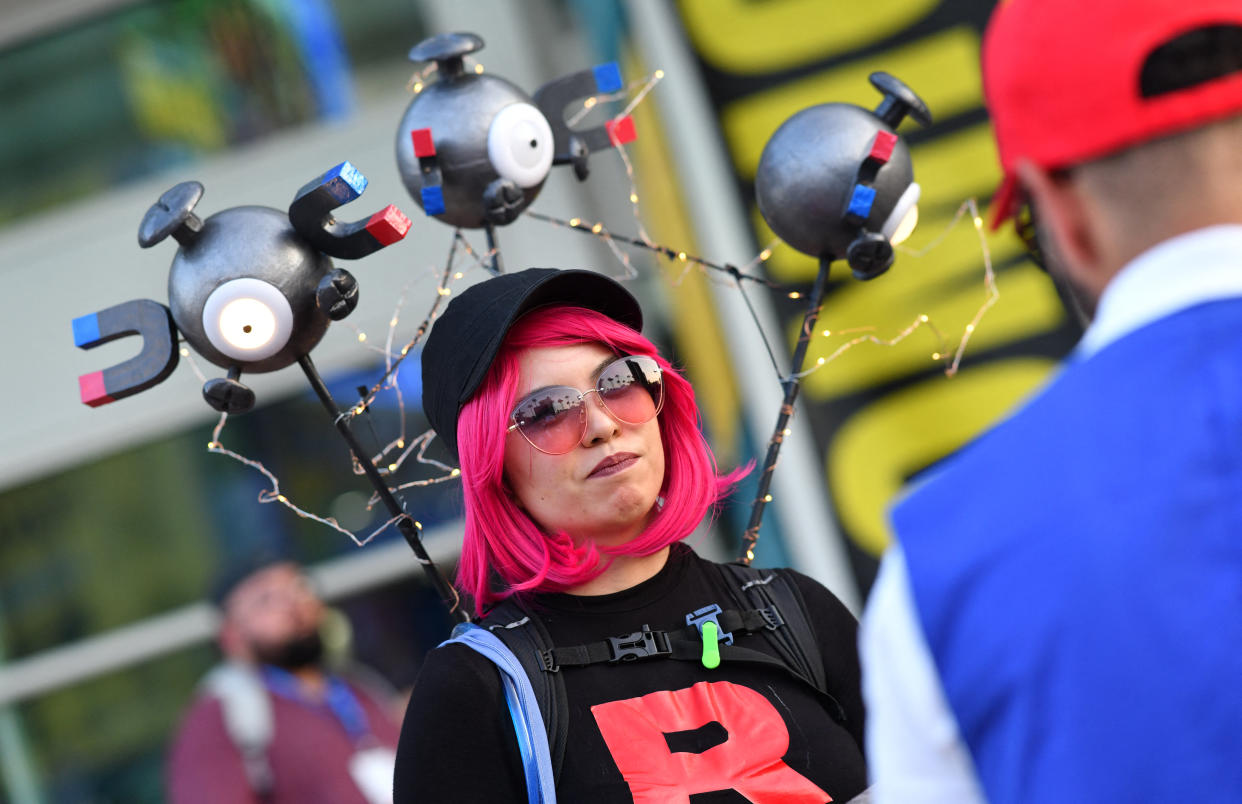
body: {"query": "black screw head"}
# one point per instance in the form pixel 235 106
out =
pixel 228 395
pixel 167 215
pixel 447 50
pixel 503 201
pixel 869 255
pixel 899 101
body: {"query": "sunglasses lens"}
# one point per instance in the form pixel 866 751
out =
pixel 632 389
pixel 554 419
pixel 551 419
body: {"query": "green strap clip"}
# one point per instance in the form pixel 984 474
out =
pixel 711 646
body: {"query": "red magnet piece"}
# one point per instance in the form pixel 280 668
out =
pixel 423 146
pixel 621 130
pixel 388 225
pixel 91 389
pixel 882 148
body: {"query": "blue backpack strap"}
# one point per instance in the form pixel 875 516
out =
pixel 528 723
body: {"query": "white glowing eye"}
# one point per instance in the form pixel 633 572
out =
pixel 904 217
pixel 519 144
pixel 247 319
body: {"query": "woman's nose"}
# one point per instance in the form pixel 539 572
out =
pixel 601 426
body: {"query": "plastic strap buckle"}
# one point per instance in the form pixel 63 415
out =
pixel 772 618
pixel 709 614
pixel 639 645
pixel 547 661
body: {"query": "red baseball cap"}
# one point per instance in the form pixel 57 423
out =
pixel 1062 80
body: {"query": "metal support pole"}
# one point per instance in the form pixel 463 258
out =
pixel 497 266
pixel 791 385
pixel 409 528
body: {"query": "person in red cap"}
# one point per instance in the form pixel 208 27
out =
pixel 1057 619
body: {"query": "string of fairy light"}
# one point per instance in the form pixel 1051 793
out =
pixel 391 457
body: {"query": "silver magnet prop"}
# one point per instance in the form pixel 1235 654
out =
pixel 250 288
pixel 835 181
pixel 474 150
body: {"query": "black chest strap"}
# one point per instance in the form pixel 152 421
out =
pixel 685 643
pixel 765 602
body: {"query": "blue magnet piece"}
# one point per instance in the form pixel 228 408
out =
pixel 860 201
pixel 85 330
pixel 433 200
pixel 345 182
pixel 607 77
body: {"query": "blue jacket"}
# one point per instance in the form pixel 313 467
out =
pixel 1077 573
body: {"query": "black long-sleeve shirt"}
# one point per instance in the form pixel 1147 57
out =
pixel 644 730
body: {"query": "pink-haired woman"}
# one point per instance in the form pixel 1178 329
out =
pixel 664 675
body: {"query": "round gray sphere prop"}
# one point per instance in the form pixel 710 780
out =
pixel 807 173
pixel 459 110
pixel 250 243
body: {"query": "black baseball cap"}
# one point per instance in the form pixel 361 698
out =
pixel 465 339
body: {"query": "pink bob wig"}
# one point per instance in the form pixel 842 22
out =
pixel 501 541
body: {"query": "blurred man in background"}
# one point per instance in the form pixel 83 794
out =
pixel 272 723
pixel 1058 619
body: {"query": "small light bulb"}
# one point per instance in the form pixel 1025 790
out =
pixel 185 352
pixel 820 362
pixel 765 255
pixel 575 221
pixel 935 355
pixel 392 467
pixel 455 473
pixel 795 294
pixel 400 443
pixel 978 222
pixel 478 68
pixel 597 228
pixel 659 73
pixel 970 327
pixel 633 198
pixel 767 498
pixel 827 333
pixel 590 103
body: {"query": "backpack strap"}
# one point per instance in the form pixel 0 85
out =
pixel 795 642
pixel 246 708
pixel 527 638
pixel 524 709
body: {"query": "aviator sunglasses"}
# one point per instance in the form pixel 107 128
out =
pixel 554 419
